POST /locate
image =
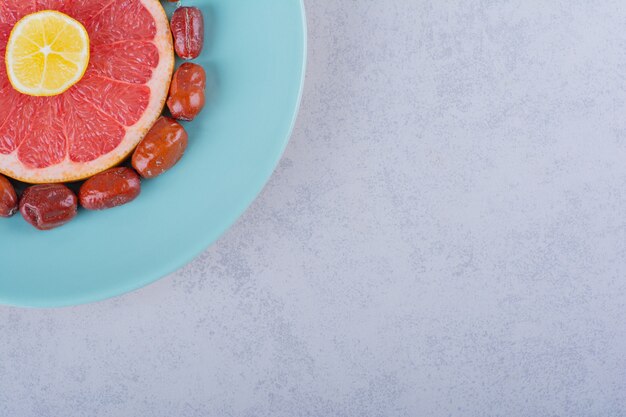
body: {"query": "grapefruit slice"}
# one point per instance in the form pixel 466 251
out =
pixel 97 122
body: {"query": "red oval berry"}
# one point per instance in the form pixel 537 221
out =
pixel 187 95
pixel 161 148
pixel 47 206
pixel 8 198
pixel 188 31
pixel 111 188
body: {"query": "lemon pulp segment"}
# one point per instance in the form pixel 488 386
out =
pixel 47 53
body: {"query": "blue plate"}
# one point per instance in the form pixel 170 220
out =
pixel 254 56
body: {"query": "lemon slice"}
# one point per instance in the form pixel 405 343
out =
pixel 47 53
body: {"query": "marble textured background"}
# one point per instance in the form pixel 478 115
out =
pixel 445 236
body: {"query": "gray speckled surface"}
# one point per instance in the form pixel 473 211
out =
pixel 445 236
